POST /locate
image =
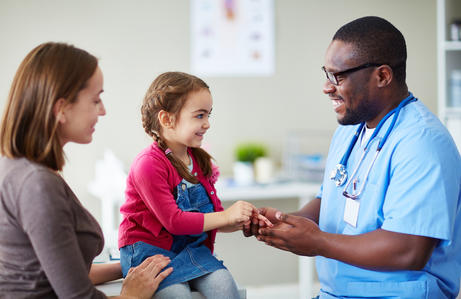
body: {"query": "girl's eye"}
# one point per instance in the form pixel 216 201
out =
pixel 202 115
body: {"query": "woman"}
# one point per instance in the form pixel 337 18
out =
pixel 48 240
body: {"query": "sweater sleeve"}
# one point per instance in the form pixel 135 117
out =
pixel 151 177
pixel 46 216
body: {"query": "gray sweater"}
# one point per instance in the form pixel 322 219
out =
pixel 48 240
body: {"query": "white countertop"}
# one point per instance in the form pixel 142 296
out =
pixel 276 190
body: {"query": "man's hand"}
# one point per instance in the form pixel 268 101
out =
pixel 377 250
pixel 292 233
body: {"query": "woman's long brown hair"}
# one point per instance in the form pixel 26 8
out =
pixel 51 71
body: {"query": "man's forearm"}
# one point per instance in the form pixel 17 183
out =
pixel 311 210
pixel 378 250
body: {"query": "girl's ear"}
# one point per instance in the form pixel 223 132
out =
pixel 58 110
pixel 166 119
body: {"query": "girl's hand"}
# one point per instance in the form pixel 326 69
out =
pixel 242 213
pixel 239 213
pixel 142 281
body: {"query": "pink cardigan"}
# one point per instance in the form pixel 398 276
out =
pixel 150 211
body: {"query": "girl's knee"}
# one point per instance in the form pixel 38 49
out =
pixel 177 290
pixel 219 284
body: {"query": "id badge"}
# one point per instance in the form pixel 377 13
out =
pixel 351 211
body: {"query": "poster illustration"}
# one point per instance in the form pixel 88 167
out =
pixel 232 37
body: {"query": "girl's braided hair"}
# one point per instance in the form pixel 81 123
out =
pixel 169 92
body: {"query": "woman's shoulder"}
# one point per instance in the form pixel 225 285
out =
pixel 23 171
pixel 25 184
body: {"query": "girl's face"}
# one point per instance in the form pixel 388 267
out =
pixel 78 119
pixel 192 122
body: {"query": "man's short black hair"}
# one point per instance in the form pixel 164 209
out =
pixel 376 41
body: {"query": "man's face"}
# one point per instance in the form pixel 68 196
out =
pixel 352 97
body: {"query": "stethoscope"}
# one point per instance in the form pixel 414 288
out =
pixel 339 173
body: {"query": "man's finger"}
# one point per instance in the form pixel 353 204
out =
pixel 266 231
pixel 254 228
pixel 288 218
pixel 276 232
pixel 274 242
pixel 247 230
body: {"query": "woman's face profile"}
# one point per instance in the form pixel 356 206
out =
pixel 78 119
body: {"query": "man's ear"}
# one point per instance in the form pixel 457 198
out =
pixel 385 76
pixel 166 119
pixel 58 110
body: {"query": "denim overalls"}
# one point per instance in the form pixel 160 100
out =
pixel 190 258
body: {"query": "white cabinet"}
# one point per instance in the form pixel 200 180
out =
pixel 449 62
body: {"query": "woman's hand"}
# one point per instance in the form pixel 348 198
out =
pixel 142 281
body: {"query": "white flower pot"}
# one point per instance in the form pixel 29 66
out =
pixel 243 173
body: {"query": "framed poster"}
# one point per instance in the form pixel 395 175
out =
pixel 232 37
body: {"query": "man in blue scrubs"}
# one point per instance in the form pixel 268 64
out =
pixel 392 230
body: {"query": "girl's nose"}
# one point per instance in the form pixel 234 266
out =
pixel 206 124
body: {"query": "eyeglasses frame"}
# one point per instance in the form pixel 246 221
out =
pixel 332 77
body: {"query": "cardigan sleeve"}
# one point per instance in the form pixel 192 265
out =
pixel 154 183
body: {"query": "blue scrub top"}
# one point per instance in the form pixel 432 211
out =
pixel 414 188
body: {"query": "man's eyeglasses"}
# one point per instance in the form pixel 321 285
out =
pixel 333 77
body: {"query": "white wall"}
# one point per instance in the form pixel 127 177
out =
pixel 137 40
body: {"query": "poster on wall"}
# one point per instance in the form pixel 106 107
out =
pixel 232 37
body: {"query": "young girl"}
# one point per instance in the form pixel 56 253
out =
pixel 171 204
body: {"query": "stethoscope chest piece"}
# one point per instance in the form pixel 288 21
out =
pixel 339 175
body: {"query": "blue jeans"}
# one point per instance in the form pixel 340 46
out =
pixel 216 285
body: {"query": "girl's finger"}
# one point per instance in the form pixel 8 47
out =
pixel 265 220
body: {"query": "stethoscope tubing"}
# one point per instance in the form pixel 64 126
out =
pixel 357 195
pixel 345 158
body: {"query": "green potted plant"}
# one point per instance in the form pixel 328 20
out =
pixel 249 152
